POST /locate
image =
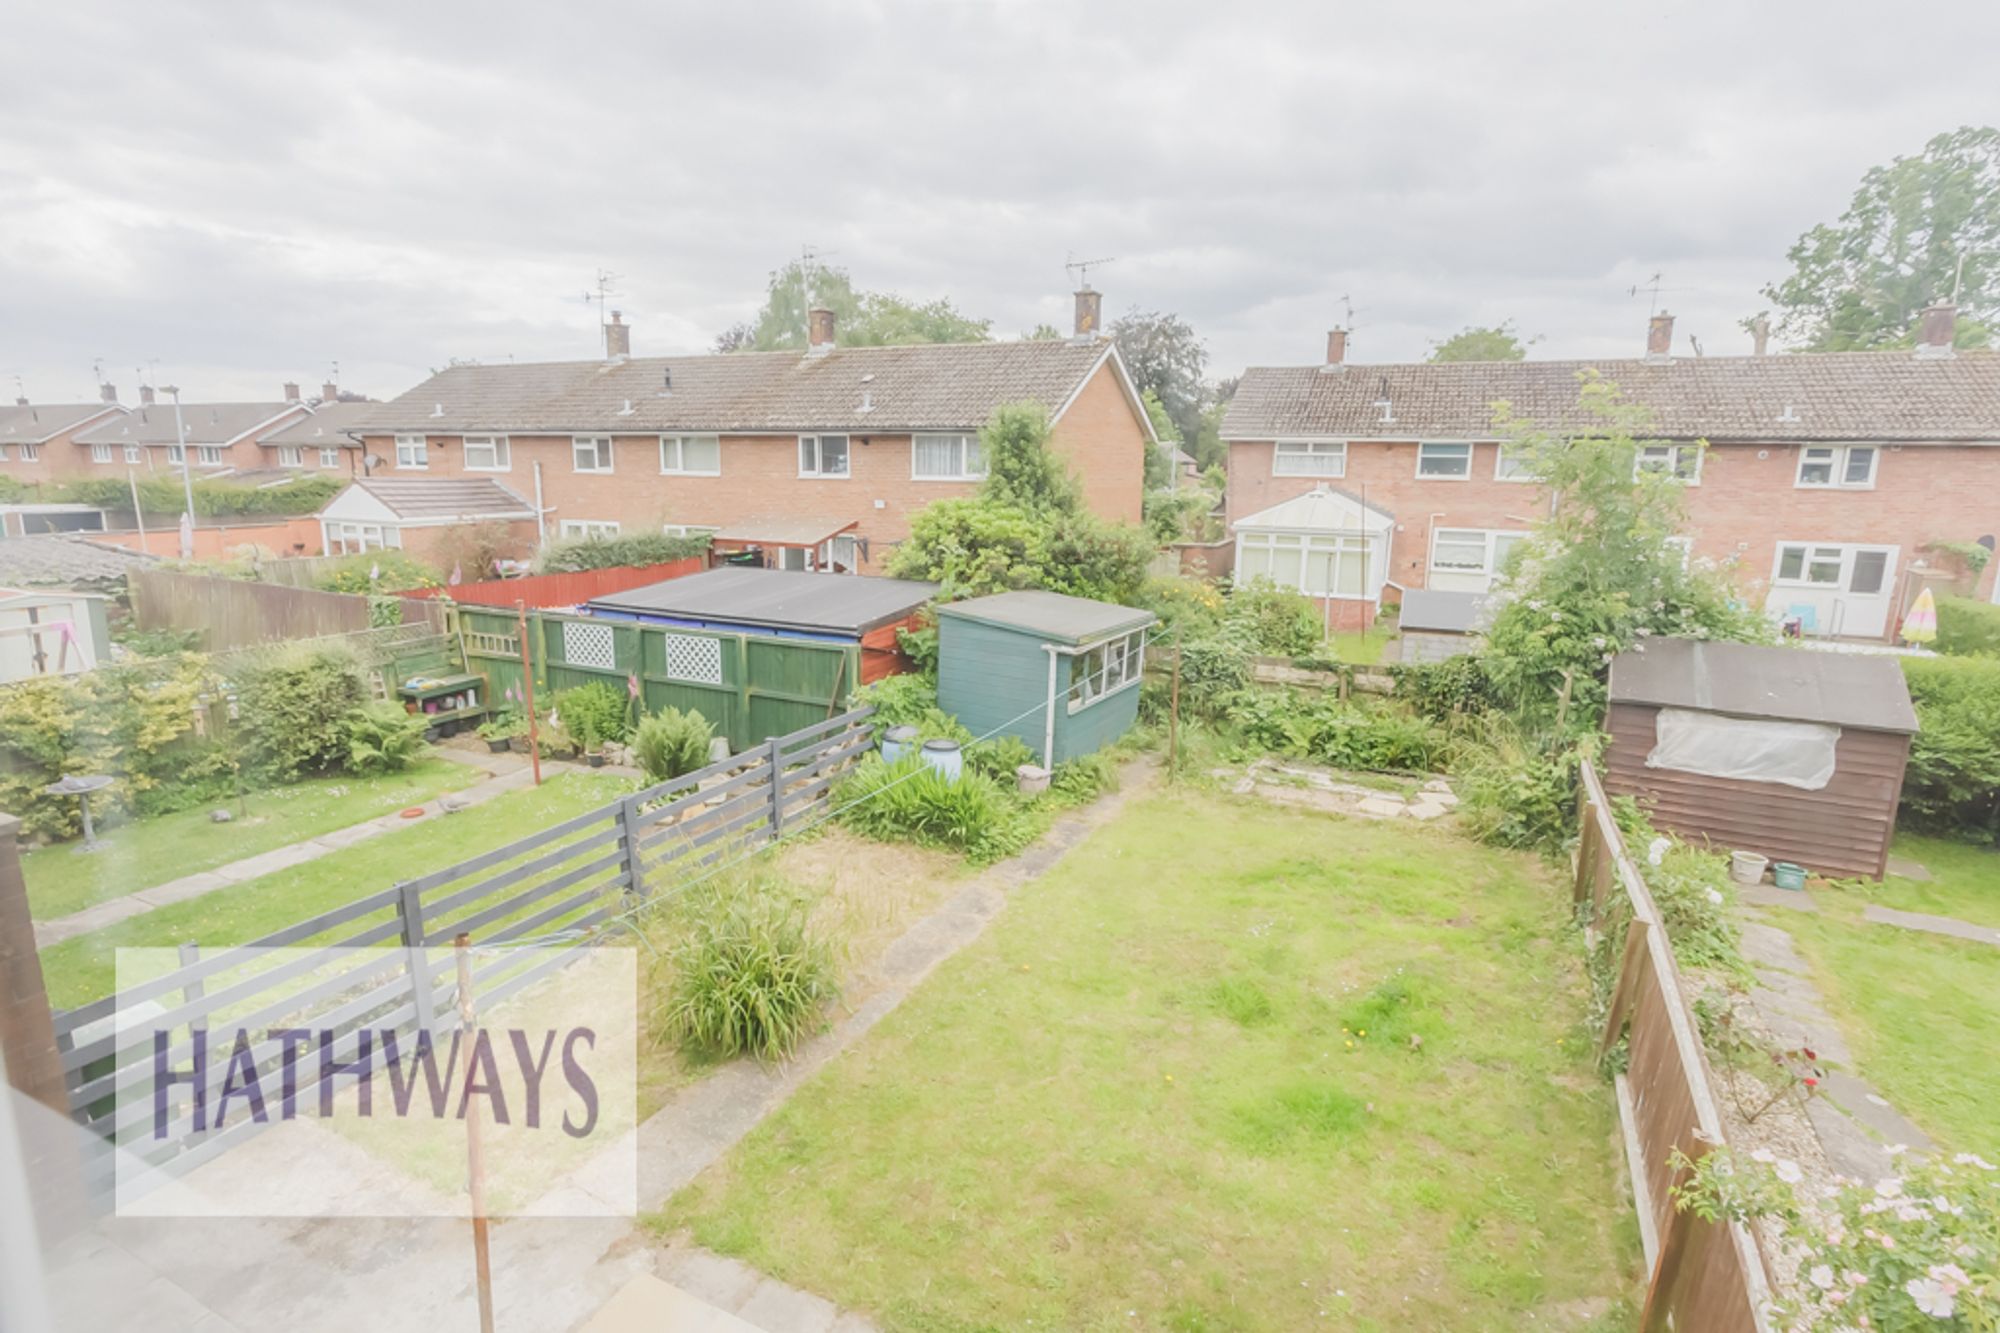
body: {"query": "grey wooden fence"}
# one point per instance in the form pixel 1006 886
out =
pixel 234 613
pixel 556 886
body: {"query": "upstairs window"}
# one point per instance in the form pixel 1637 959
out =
pixel 590 453
pixel 1848 466
pixel 413 451
pixel 1671 460
pixel 947 458
pixel 690 456
pixel 823 456
pixel 1512 465
pixel 176 454
pixel 1451 462
pixel 1310 458
pixel 3 453
pixel 487 453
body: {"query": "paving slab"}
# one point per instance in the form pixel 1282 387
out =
pixel 1934 925
pixel 1904 868
pixel 1770 895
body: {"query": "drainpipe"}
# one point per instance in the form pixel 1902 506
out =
pixel 541 513
pixel 1049 722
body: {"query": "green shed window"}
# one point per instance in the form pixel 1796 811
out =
pixel 1106 669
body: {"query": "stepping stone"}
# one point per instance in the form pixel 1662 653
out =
pixel 1380 807
pixel 1934 925
pixel 646 1303
pixel 1906 869
pixel 1439 785
pixel 1770 895
pixel 1423 809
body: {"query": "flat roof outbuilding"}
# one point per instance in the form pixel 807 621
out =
pixel 1053 615
pixel 846 604
pixel 1756 681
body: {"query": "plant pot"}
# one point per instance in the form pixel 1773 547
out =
pixel 518 744
pixel 594 760
pixel 1789 875
pixel 497 744
pixel 1747 867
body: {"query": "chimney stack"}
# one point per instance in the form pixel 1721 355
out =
pixel 1760 336
pixel 1660 337
pixel 145 395
pixel 21 400
pixel 329 392
pixel 1937 330
pixel 819 330
pixel 1336 347
pixel 108 392
pixel 1089 312
pixel 291 392
pixel 617 337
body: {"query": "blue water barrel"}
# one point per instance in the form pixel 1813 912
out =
pixel 944 756
pixel 897 742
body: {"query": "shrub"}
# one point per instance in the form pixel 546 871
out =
pixel 920 645
pixel 378 572
pixel 574 557
pixel 749 974
pixel 162 496
pixel 382 737
pixel 1344 735
pixel 1084 778
pixel 292 703
pixel 911 701
pixel 1515 791
pixel 1275 620
pixel 1212 671
pixel 670 743
pixel 1952 784
pixel 599 707
pixel 1968 627
pixel 999 757
pixel 909 801
pixel 1455 688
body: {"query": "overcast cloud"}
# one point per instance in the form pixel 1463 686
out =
pixel 244 194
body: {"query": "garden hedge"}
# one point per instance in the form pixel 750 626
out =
pixel 1968 627
pixel 1952 785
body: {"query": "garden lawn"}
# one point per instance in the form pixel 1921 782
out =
pixel 139 854
pixel 84 968
pixel 1964 882
pixel 1225 1067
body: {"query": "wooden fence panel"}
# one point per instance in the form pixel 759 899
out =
pixel 560 590
pixel 232 613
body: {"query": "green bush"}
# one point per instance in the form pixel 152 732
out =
pixel 749 976
pixel 1213 670
pixel 1455 688
pixel 1274 620
pixel 911 701
pixel 670 743
pixel 292 706
pixel 574 557
pixel 163 497
pixel 999 757
pixel 909 801
pixel 1344 735
pixel 600 708
pixel 1083 779
pixel 378 572
pixel 1952 784
pixel 382 737
pixel 1968 627
pixel 1517 790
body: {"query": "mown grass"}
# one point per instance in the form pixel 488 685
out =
pixel 1965 881
pixel 1226 1067
pixel 82 969
pixel 142 853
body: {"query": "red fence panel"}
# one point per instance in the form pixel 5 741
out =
pixel 549 590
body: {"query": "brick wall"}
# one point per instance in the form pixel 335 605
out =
pixel 1106 444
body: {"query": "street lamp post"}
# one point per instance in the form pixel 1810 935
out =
pixel 187 473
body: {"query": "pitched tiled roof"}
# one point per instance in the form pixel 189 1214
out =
pixel 935 386
pixel 36 422
pixel 63 560
pixel 1830 396
pixel 325 428
pixel 206 423
pixel 446 497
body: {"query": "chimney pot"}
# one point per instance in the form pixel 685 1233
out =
pixel 1660 337
pixel 617 337
pixel 145 395
pixel 108 392
pixel 1336 347
pixel 291 392
pixel 819 329
pixel 1089 312
pixel 1937 329
pixel 1760 336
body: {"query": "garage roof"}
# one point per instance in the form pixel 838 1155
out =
pixel 1750 680
pixel 775 599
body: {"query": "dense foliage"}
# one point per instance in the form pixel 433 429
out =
pixel 1339 734
pixel 1518 789
pixel 909 801
pixel 599 712
pixel 574 557
pixel 1967 627
pixel 1496 342
pixel 748 973
pixel 1456 688
pixel 382 737
pixel 669 743
pixel 162 496
pixel 292 702
pixel 861 318
pixel 378 572
pixel 1952 785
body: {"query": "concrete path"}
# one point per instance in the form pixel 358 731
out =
pixel 510 772
pixel 549 1273
pixel 1933 925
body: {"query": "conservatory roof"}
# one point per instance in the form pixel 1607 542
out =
pixel 1321 509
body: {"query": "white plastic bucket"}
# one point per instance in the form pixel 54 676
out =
pixel 1747 867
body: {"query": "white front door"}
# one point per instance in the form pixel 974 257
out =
pixel 1834 589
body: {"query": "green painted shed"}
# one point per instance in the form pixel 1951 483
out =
pixel 1062 673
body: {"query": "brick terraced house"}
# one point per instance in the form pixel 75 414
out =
pixel 220 438
pixel 36 438
pixel 819 458
pixel 1827 479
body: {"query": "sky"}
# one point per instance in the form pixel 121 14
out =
pixel 229 196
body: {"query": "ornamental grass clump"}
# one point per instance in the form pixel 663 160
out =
pixel 748 973
pixel 909 801
pixel 670 743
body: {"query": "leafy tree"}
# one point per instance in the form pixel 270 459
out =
pixel 861 319
pixel 1042 333
pixel 1160 458
pixel 972 546
pixel 1859 282
pixel 1022 471
pixel 1166 358
pixel 1597 575
pixel 1498 342
pixel 889 321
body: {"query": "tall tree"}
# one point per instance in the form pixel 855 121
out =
pixel 781 324
pixel 1498 342
pixel 1164 356
pixel 861 319
pixel 889 321
pixel 1916 230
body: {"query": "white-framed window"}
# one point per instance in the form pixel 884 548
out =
pixel 135 454
pixel 1309 458
pixel 690 456
pixel 945 458
pixel 487 453
pixel 590 529
pixel 291 455
pixel 687 529
pixel 1682 461
pixel 1451 462
pixel 590 453
pixel 1801 565
pixel 100 453
pixel 1481 552
pixel 823 456
pixel 177 454
pixel 1319 565
pixel 31 453
pixel 208 455
pixel 841 554
pixel 330 457
pixel 1512 465
pixel 413 451
pixel 352 538
pixel 3 453
pixel 1097 674
pixel 1848 466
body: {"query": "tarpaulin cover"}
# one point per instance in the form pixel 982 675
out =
pixel 1797 754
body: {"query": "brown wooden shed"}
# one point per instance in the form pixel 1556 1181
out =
pixel 1794 753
